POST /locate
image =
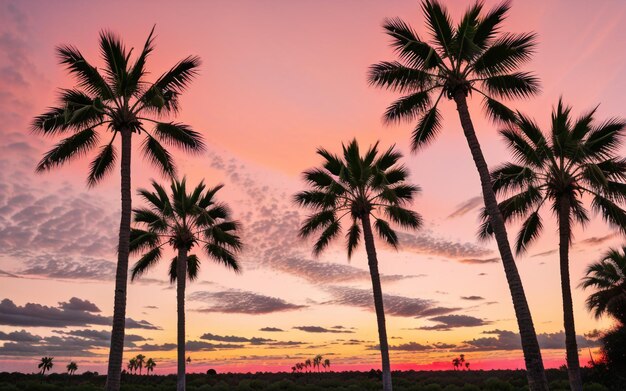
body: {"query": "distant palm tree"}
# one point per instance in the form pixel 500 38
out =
pixel 576 160
pixel 473 57
pixel 363 187
pixel 72 367
pixel 183 220
pixel 467 366
pixel 118 102
pixel 308 364
pixel 608 278
pixel 317 361
pixel 132 365
pixel 150 364
pixel 141 359
pixel 456 363
pixel 45 364
pixel 327 364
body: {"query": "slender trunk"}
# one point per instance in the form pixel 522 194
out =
pixel 181 279
pixel 532 355
pixel 573 364
pixel 378 300
pixel 121 274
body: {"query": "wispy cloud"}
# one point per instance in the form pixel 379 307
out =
pixel 241 302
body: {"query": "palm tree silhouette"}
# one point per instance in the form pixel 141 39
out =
pixel 456 363
pixel 608 278
pixel 574 161
pixel 118 102
pixel 72 367
pixel 132 365
pixel 140 361
pixel 317 361
pixel 472 57
pixel 45 364
pixel 327 364
pixel 150 364
pixel 307 364
pixel 372 185
pixel 183 220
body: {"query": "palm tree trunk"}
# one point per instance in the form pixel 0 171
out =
pixel 121 275
pixel 573 364
pixel 532 354
pixel 372 261
pixel 181 279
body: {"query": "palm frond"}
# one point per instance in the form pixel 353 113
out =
pixel 488 26
pixel 512 85
pixel 403 217
pixel 222 255
pixel 330 233
pixel 427 129
pixel 317 221
pixel 529 232
pixel 70 147
pixel 353 237
pixel 408 107
pixel 506 54
pixel 497 111
pixel 440 25
pixel 386 233
pixel 102 164
pixel 158 156
pixel 141 240
pixel 180 135
pixel 88 76
pixel 147 261
pixel 409 47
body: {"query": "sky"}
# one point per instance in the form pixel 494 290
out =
pixel 279 79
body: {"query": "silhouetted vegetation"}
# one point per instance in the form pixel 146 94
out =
pixel 596 380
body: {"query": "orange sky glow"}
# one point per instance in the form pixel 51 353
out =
pixel 278 79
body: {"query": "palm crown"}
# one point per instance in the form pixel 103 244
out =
pixel 115 99
pixel 608 277
pixel 184 220
pixel 470 57
pixel 577 158
pixel 372 184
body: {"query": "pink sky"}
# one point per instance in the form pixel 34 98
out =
pixel 278 79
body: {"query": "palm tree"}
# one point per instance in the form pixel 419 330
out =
pixel 470 58
pixel 183 220
pixel 118 101
pixel 365 186
pixel 608 278
pixel 467 366
pixel 45 364
pixel 456 363
pixel 132 365
pixel 327 364
pixel 150 364
pixel 574 161
pixel 72 367
pixel 140 361
pixel 307 364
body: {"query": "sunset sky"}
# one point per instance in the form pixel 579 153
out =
pixel 278 79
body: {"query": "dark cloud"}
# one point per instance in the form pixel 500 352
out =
pixel 466 207
pixel 19 336
pixel 509 340
pixel 541 254
pixel 444 346
pixel 271 329
pixel 407 347
pixel 232 338
pixel 472 298
pixel 448 322
pixel 37 315
pixel 479 261
pixel 319 329
pixel 76 304
pixel 596 240
pixel 191 346
pixel 394 305
pixel 241 302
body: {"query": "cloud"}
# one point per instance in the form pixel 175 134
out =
pixel 596 240
pixel 466 207
pixel 319 329
pixel 37 315
pixel 448 322
pixel 241 302
pixel 472 298
pixel 394 305
pixel 407 347
pixel 19 336
pixel 426 243
pixel 509 340
pixel 191 346
pixel 478 261
pixel 271 329
pixel 232 338
pixel 76 304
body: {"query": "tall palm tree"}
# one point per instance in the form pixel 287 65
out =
pixel 150 364
pixel 141 359
pixel 183 220
pixel 72 367
pixel 327 364
pixel 45 364
pixel 317 361
pixel 560 169
pixel 471 58
pixel 117 100
pixel 361 187
pixel 608 278
pixel 308 363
